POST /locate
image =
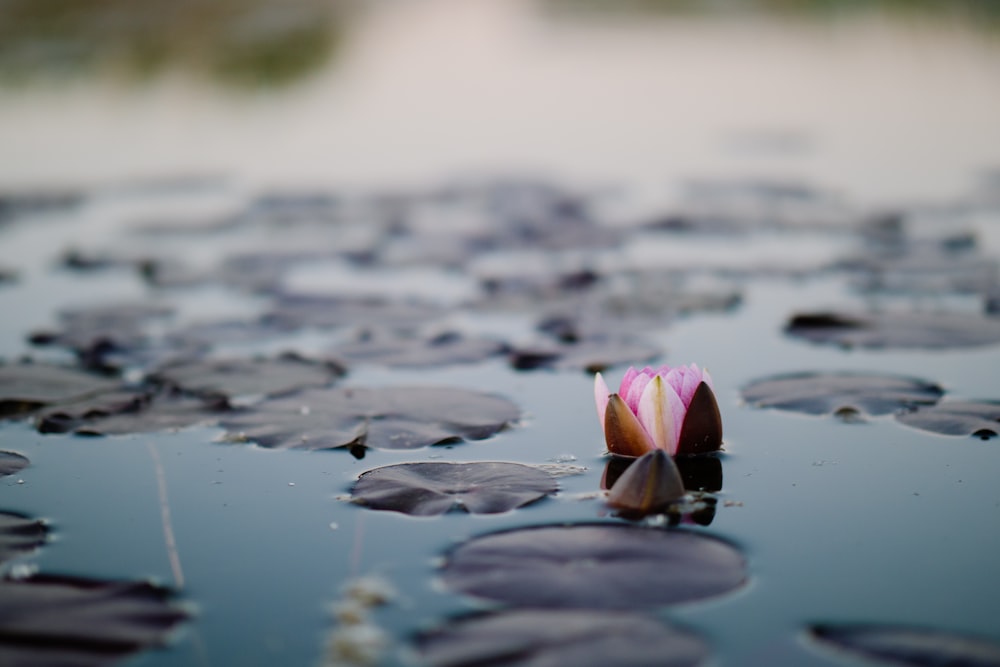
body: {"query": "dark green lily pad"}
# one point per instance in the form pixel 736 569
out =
pixel 12 462
pixel 25 387
pixel 19 535
pixel 61 621
pixel 930 331
pixel 395 351
pixel 432 488
pixel 841 393
pixel 899 645
pixel 165 412
pixel 582 638
pixel 596 566
pixel 357 418
pixel 232 378
pixel 978 418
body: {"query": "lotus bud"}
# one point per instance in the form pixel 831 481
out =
pixel 673 409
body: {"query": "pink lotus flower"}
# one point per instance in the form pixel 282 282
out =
pixel 673 409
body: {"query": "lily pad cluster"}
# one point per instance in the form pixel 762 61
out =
pixel 51 619
pixel 850 396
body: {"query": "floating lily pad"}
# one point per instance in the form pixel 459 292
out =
pixel 390 418
pixel 591 356
pixel 431 488
pixel 582 638
pixel 70 415
pixel 896 330
pixel 898 645
pixel 446 348
pixel 12 462
pixel 231 378
pixel 296 311
pixel 19 535
pixel 841 393
pixel 59 621
pixel 598 566
pixel 26 387
pixel 978 418
pixel 162 413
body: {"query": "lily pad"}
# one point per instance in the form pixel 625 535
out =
pixel 296 311
pixel 899 645
pixel 26 387
pixel 69 415
pixel 165 412
pixel 932 331
pixel 595 566
pixel 582 638
pixel 841 393
pixel 590 356
pixel 58 621
pixel 19 535
pixel 432 488
pixel 446 348
pixel 12 462
pixel 978 418
pixel 356 418
pixel 231 378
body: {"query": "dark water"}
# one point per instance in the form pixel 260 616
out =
pixel 870 522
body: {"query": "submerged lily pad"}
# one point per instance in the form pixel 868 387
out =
pixel 446 348
pixel 841 393
pixel 389 417
pixel 19 535
pixel 930 331
pixel 978 418
pixel 12 462
pixel 431 488
pixel 582 638
pixel 898 645
pixel 598 566
pixel 26 387
pixel 231 378
pixel 60 621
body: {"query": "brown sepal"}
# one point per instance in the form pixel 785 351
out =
pixel 623 433
pixel 702 430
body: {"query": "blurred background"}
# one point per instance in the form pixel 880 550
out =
pixel 883 100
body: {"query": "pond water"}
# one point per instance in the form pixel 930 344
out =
pixel 658 187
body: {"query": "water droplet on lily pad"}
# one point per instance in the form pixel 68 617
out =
pixel 431 488
pixel 596 566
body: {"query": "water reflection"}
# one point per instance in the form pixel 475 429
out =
pixel 702 477
pixel 238 42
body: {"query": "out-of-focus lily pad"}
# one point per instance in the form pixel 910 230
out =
pixel 12 462
pixel 841 393
pixel 25 387
pixel 59 621
pixel 599 566
pixel 431 488
pixel 296 311
pixel 163 413
pixel 232 378
pixel 446 348
pixel 70 415
pixel 7 276
pixel 978 418
pixel 591 356
pixel 896 330
pixel 356 418
pixel 578 637
pixel 899 645
pixel 19 535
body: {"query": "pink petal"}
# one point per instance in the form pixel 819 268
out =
pixel 635 391
pixel 601 394
pixel 707 379
pixel 627 380
pixel 661 413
